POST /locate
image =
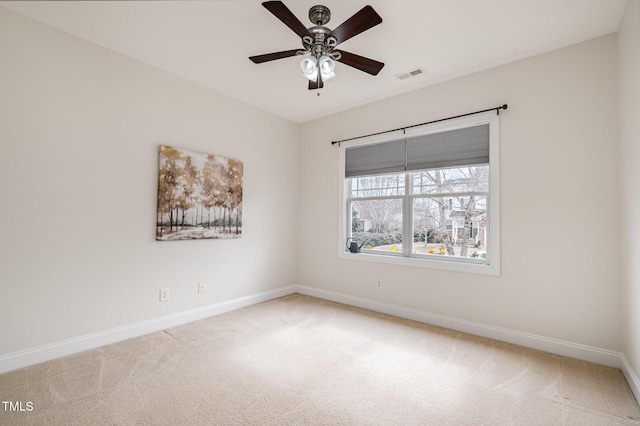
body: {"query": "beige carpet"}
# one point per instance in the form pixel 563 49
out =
pixel 304 361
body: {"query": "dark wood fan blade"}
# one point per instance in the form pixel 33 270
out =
pixel 273 56
pixel 361 21
pixel 283 13
pixel 313 85
pixel 367 65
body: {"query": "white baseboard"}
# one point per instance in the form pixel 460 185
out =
pixel 632 377
pixel 555 346
pixel 48 352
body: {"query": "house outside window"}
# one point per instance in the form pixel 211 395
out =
pixel 427 196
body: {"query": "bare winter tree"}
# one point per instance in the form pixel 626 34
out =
pixel 440 184
pixel 381 212
pixel 469 211
pixel 471 177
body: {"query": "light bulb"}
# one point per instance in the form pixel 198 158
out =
pixel 327 68
pixel 309 68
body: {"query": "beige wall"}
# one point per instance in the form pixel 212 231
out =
pixel 80 131
pixel 559 199
pixel 629 95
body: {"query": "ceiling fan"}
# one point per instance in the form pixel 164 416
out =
pixel 320 42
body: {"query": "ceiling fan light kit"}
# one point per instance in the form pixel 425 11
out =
pixel 320 42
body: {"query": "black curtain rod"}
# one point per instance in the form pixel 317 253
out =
pixel 497 109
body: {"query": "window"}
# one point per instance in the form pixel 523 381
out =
pixel 427 196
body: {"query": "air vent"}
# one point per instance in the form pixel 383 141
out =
pixel 414 73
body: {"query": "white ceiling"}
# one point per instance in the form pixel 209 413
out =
pixel 209 42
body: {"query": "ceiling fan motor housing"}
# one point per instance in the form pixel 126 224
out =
pixel 319 15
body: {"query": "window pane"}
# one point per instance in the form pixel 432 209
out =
pixel 450 226
pixel 378 186
pixel 377 224
pixel 461 179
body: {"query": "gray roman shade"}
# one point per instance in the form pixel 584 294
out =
pixel 375 159
pixel 452 148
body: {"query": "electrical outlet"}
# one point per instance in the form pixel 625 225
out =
pixel 378 283
pixel 201 288
pixel 164 294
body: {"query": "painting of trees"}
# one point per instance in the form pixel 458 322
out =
pixel 199 196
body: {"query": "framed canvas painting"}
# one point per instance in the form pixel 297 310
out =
pixel 199 196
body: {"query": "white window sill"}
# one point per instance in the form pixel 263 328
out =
pixel 447 265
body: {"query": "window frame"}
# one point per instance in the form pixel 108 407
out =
pixel 490 266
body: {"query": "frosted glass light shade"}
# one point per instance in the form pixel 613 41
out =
pixel 309 68
pixel 327 68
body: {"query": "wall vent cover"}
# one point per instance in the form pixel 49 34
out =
pixel 414 73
